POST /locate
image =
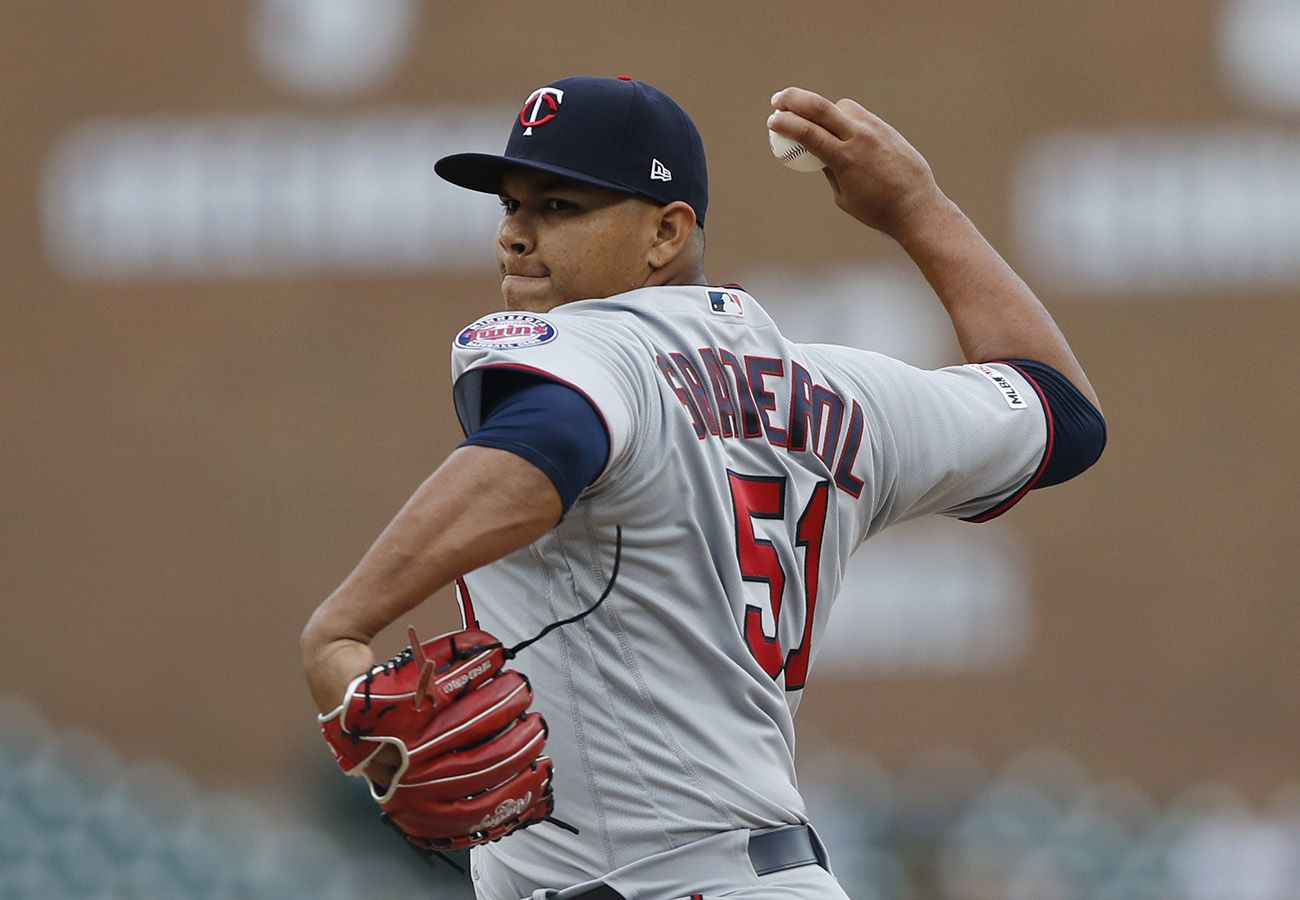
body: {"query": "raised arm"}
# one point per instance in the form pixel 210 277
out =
pixel 877 177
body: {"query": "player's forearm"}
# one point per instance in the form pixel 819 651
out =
pixel 480 505
pixel 994 313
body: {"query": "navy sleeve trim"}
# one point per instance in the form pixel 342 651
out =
pixel 549 424
pixel 470 420
pixel 1080 428
pixel 1076 432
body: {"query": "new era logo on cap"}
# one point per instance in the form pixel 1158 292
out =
pixel 659 172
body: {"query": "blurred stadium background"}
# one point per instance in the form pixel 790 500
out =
pixel 230 282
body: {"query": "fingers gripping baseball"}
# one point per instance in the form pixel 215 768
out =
pixel 444 737
pixel 875 175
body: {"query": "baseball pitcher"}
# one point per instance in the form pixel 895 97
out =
pixel 651 514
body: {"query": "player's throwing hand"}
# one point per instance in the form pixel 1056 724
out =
pixel 875 175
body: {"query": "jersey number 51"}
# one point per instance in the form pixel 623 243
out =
pixel 763 497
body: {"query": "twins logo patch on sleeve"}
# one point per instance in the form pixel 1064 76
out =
pixel 1010 392
pixel 506 331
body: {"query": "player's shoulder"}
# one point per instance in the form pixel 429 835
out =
pixel 842 358
pixel 511 329
pixel 577 349
pixel 635 319
pixel 559 330
pixel 506 330
pixel 724 304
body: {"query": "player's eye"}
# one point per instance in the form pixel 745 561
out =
pixel 557 204
pixel 509 204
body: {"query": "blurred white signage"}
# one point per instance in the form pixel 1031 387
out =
pixel 886 308
pixel 1259 50
pixel 332 48
pixel 933 595
pixel 256 195
pixel 1160 212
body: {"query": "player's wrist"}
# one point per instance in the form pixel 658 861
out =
pixel 924 217
pixel 330 666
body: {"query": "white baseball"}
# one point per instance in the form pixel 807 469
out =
pixel 793 154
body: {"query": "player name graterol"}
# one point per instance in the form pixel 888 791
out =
pixel 740 397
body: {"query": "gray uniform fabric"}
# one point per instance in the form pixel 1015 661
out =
pixel 667 726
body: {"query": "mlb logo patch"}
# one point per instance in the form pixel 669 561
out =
pixel 1003 384
pixel 726 303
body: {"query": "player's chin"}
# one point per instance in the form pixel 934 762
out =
pixel 528 293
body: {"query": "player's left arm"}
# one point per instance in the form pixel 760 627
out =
pixel 481 504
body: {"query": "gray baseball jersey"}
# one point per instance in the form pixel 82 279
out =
pixel 744 470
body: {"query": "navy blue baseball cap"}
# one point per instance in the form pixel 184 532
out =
pixel 617 133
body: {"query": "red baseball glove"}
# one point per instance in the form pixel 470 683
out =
pixel 471 769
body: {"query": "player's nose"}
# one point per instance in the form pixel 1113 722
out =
pixel 515 235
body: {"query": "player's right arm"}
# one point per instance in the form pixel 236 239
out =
pixel 534 447
pixel 877 177
pixel 478 506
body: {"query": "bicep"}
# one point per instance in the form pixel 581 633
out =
pixel 491 502
pixel 480 505
pixel 960 441
pixel 549 424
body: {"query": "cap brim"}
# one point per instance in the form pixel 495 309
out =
pixel 484 172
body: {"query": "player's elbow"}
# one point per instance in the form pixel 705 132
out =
pixel 1080 438
pixel 1078 431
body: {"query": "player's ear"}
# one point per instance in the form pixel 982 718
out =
pixel 674 225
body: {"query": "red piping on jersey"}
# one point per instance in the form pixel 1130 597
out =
pixel 1042 465
pixel 517 367
pixel 467 616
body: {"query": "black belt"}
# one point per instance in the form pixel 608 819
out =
pixel 769 851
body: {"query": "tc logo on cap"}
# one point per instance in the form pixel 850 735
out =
pixel 540 107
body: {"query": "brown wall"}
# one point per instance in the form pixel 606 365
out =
pixel 190 464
